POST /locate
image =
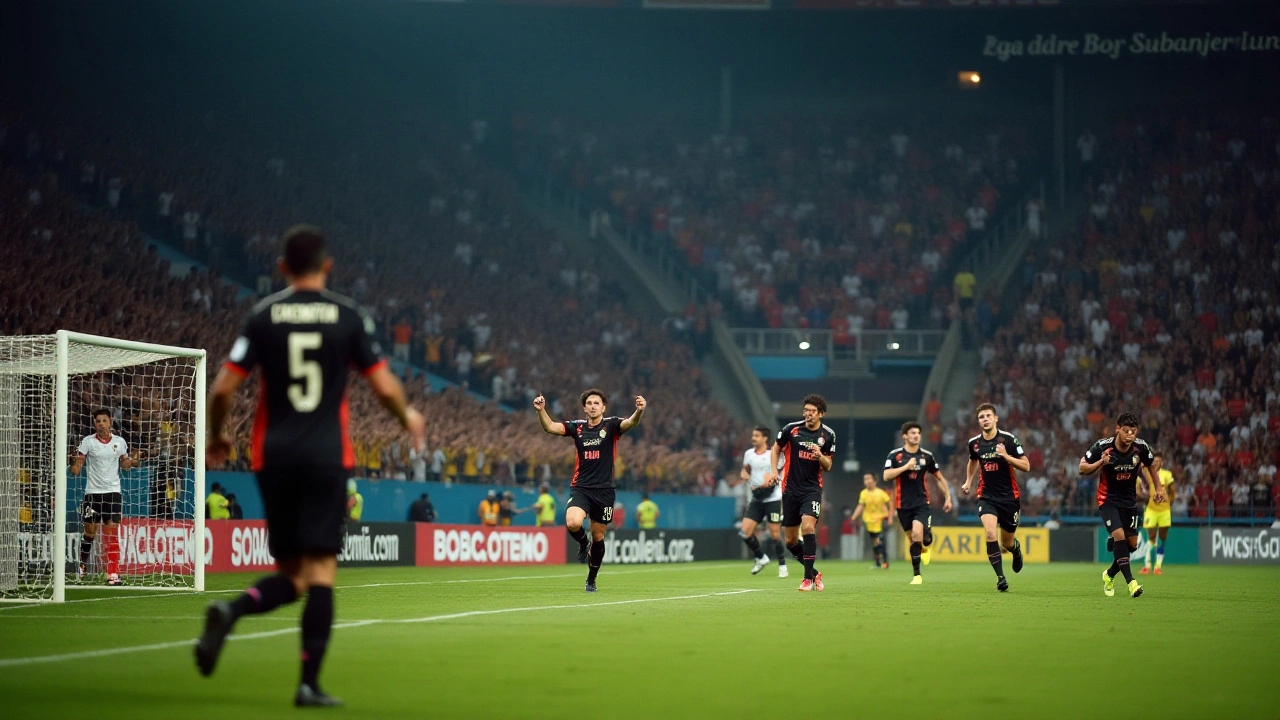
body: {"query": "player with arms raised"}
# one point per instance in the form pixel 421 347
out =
pixel 1158 518
pixel 1123 458
pixel 909 466
pixel 305 339
pixel 106 454
pixel 592 490
pixel 809 446
pixel 995 455
pixel 766 501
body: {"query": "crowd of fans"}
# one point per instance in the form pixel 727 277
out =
pixel 796 222
pixel 1163 302
pixel 426 235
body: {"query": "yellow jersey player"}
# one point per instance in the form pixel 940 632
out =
pixel 1157 519
pixel 873 508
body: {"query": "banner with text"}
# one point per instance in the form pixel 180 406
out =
pixel 479 545
pixel 1239 546
pixel 969 544
pixel 1114 47
pixel 627 547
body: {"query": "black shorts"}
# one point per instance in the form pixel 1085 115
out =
pixel 306 509
pixel 906 516
pixel 102 508
pixel 598 502
pixel 1130 519
pixel 1008 512
pixel 874 536
pixel 805 502
pixel 759 510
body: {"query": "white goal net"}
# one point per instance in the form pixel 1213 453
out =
pixel 51 386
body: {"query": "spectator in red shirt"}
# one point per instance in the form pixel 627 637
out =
pixel 932 408
pixel 1222 498
pixel 1203 498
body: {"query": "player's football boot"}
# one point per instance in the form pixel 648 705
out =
pixel 582 552
pixel 817 583
pixel 1135 589
pixel 308 697
pixel 806 585
pixel 782 571
pixel 1108 584
pixel 760 564
pixel 114 579
pixel 917 580
pixel 1159 571
pixel 1001 584
pixel 1017 556
pixel 590 587
pixel 1145 570
pixel 924 556
pixel 217 625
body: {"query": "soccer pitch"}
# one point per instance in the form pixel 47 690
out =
pixel 706 640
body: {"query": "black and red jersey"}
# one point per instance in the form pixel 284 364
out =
pixel 597 447
pixel 306 343
pixel 997 480
pixel 911 489
pixel 800 447
pixel 1118 478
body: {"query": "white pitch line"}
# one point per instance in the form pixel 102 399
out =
pixel 43 659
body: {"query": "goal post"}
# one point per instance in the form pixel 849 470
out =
pixel 50 387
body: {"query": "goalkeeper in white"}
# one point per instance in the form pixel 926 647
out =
pixel 106 454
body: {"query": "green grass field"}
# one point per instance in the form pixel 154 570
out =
pixel 703 640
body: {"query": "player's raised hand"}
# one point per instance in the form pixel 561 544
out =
pixel 539 403
pixel 641 403
pixel 417 427
pixel 1001 451
pixel 912 464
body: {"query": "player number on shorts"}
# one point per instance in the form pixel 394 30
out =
pixel 607 513
pixel 1134 522
pixel 304 394
pixel 817 508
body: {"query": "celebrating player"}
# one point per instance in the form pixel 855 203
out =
pixel 1157 518
pixel 766 501
pixel 873 508
pixel 998 493
pixel 591 493
pixel 909 465
pixel 1122 459
pixel 106 454
pixel 305 338
pixel 809 447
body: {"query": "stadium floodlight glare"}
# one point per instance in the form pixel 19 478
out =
pixel 49 388
pixel 804 345
pixel 893 345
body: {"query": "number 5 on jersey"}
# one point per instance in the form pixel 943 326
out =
pixel 305 393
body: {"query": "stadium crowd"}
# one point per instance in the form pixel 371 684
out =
pixel 1162 301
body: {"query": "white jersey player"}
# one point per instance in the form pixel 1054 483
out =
pixel 105 454
pixel 766 501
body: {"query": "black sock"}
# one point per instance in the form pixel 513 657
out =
pixel 810 554
pixel 317 623
pixel 270 593
pixel 1015 548
pixel 780 550
pixel 993 554
pixel 593 561
pixel 879 550
pixel 1114 570
pixel 580 535
pixel 753 544
pixel 1121 552
pixel 797 551
pixel 86 547
pixel 916 548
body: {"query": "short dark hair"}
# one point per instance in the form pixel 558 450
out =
pixel 762 430
pixel 1127 419
pixel 1159 455
pixel 909 425
pixel 815 400
pixel 985 406
pixel 303 249
pixel 582 400
pixel 101 411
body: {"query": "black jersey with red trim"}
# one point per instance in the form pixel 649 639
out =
pixel 305 341
pixel 997 480
pixel 597 447
pixel 1118 478
pixel 911 489
pixel 800 447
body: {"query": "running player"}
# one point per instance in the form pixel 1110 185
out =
pixel 995 456
pixel 591 493
pixel 873 508
pixel 809 446
pixel 909 466
pixel 106 454
pixel 1157 518
pixel 766 502
pixel 305 339
pixel 1123 459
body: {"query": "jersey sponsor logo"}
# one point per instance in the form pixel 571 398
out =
pixel 821 441
pixel 304 313
pixel 591 442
